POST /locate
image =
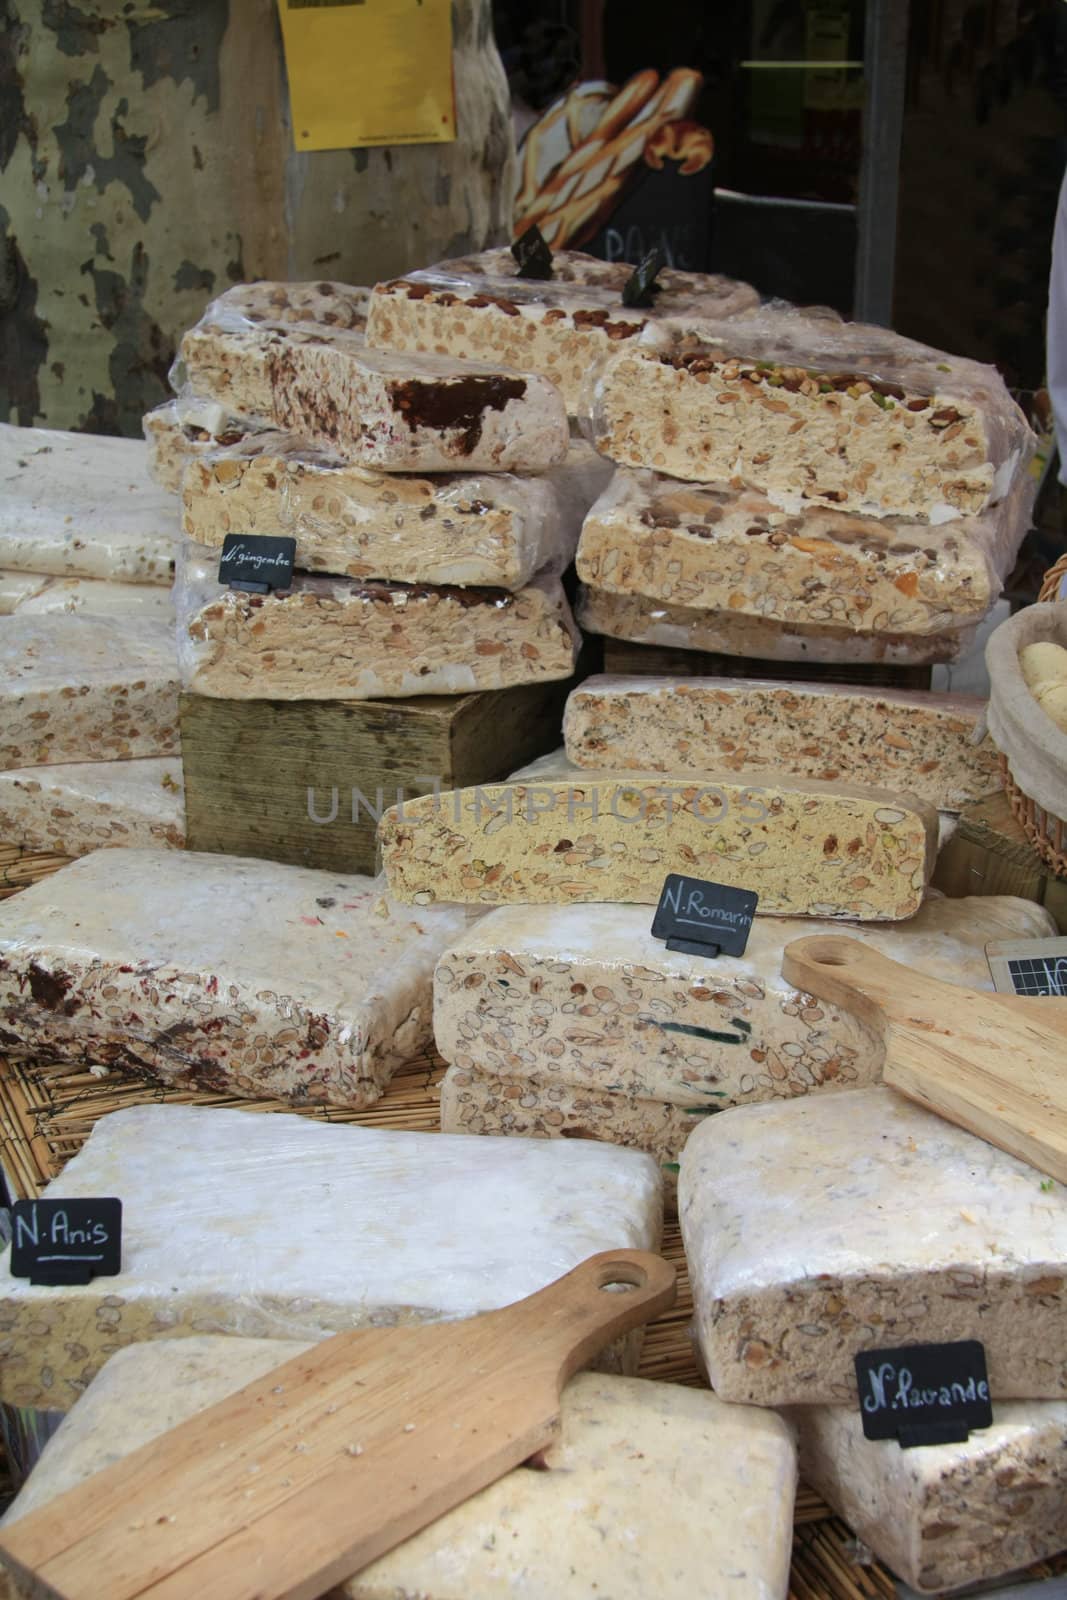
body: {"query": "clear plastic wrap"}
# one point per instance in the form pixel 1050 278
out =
pixel 318 379
pixel 512 999
pixel 492 529
pixel 339 639
pixel 919 743
pixel 632 617
pixel 247 977
pixel 96 597
pixel 805 1219
pixel 812 410
pixel 181 431
pixel 615 1514
pixel 81 688
pixel 75 505
pixel 70 810
pixel 721 548
pixel 478 308
pixel 280 1227
pixel 1035 746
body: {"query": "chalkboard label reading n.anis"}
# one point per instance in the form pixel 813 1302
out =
pixel 66 1241
pixel 704 919
pixel 924 1393
pixel 257 563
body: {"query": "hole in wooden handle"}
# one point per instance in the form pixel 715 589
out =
pixel 621 1276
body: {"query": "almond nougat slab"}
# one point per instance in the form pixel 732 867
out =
pixel 82 688
pixel 76 505
pixel 819 1227
pixel 478 308
pixel 495 529
pixel 923 744
pixel 97 597
pixel 401 413
pixel 730 549
pixel 814 411
pixel 557 835
pixel 239 1223
pixel 948 1514
pixel 70 810
pixel 584 996
pixel 179 432
pixel 650 1489
pixel 644 621
pixel 340 639
pixel 244 976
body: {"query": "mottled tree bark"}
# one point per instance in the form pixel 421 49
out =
pixel 146 164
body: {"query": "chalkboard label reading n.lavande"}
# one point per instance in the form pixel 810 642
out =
pixel 66 1241
pixel 704 919
pixel 924 1393
pixel 257 563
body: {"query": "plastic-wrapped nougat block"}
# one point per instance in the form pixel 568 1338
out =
pixel 819 1227
pixel 248 977
pixel 238 1222
pixel 91 804
pixel 651 1488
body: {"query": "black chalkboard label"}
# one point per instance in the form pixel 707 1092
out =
pixel 533 254
pixel 1029 966
pixel 639 289
pixel 704 919
pixel 924 1393
pixel 256 563
pixel 66 1241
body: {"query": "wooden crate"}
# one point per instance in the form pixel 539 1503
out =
pixel 258 773
pixel 626 659
pixel 989 854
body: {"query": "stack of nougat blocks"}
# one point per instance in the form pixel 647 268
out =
pixel 434 503
pixel 88 669
pixel 792 487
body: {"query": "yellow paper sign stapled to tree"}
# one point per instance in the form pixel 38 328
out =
pixel 366 72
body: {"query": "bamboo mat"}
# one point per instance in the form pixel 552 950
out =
pixel 47 1113
pixel 19 868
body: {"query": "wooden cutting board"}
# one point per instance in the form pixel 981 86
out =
pixel 995 1064
pixel 301 1479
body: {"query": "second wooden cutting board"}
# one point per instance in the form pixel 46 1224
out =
pixel 301 1479
pixel 994 1064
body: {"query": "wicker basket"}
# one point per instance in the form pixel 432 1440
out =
pixel 1054 585
pixel 1045 830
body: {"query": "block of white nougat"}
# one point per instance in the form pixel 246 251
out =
pixel 585 996
pixel 484 1103
pixel 480 309
pixel 819 1227
pixel 403 413
pixel 78 505
pixel 71 810
pixel 814 411
pixel 236 1222
pixel 248 977
pixel 924 744
pixel 496 529
pixel 945 1515
pixel 650 1488
pixel 180 431
pixel 729 548
pixel 644 621
pixel 346 639
pixel 559 835
pixel 84 688
pixel 97 597
pixel 224 359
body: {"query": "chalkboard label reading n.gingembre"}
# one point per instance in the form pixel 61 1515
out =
pixel 924 1393
pixel 704 919
pixel 257 563
pixel 66 1241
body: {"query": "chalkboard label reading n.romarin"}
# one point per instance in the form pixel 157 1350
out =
pixel 924 1393
pixel 704 919
pixel 66 1241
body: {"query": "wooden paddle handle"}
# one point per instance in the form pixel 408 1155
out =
pixel 849 974
pixel 563 1325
